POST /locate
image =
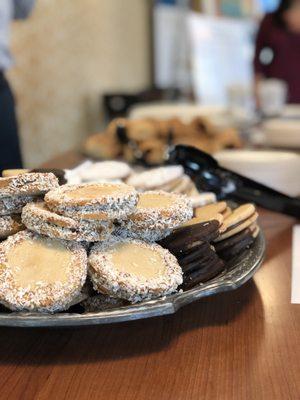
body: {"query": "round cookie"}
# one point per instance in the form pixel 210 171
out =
pixel 203 199
pixel 156 178
pixel 38 218
pixel 40 274
pixel 27 184
pixel 156 214
pixel 93 201
pixel 133 270
pixel 9 225
pixel 240 218
pixel 211 209
pixel 14 205
pixel 206 217
pixel 105 171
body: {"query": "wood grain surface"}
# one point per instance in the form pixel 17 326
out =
pixel 237 345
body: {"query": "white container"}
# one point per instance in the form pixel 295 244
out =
pixel 276 169
pixel 282 133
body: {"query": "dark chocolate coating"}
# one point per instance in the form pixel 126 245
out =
pixel 237 248
pixel 183 238
pixel 232 240
pixel 202 275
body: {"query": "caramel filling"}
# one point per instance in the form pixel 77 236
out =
pixel 93 192
pixel 39 260
pixel 138 260
pixel 154 201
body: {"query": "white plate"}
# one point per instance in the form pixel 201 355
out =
pixel 276 169
pixel 282 132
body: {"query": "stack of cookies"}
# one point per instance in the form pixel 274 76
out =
pixel 105 234
pixel 15 193
pixel 170 179
pixel 45 266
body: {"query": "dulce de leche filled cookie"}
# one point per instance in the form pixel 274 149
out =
pixel 9 225
pixel 95 201
pixel 133 270
pixel 27 184
pixel 38 218
pixel 40 274
pixel 156 214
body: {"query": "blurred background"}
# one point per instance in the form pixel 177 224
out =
pixel 78 64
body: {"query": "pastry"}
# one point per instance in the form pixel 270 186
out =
pixel 38 218
pixel 14 205
pixel 27 184
pixel 9 225
pixel 184 239
pixel 105 171
pixel 133 270
pixel 94 201
pixel 156 214
pixel 102 146
pixel 241 218
pixel 6 173
pixel 156 178
pixel 40 274
pixel 197 258
pixel 203 199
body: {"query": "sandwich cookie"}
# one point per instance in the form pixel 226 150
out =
pixel 156 178
pixel 93 201
pixel 40 274
pixel 156 214
pixel 240 219
pixel 133 270
pixel 38 218
pixel 14 205
pixel 9 225
pixel 234 245
pixel 202 199
pixel 31 184
pixel 106 171
pixel 197 258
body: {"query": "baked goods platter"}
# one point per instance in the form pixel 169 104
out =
pixel 119 246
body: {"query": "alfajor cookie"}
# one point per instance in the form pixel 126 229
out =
pixel 156 178
pixel 133 270
pixel 156 214
pixel 38 218
pixel 93 201
pixel 9 225
pixel 31 184
pixel 40 274
pixel 14 205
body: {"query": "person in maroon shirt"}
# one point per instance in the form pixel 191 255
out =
pixel 277 52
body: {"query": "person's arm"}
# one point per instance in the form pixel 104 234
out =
pixel 22 8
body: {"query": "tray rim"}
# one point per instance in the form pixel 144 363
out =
pixel 169 305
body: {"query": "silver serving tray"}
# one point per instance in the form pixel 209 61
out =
pixel 239 272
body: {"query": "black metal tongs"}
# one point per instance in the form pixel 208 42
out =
pixel 210 176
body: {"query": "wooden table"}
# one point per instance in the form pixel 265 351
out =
pixel 237 345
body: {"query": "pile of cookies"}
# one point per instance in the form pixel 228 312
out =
pixel 15 192
pixel 146 140
pixel 124 245
pixel 171 179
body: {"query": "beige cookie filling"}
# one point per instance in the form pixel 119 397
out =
pixel 39 260
pixel 153 200
pixel 92 192
pixel 133 259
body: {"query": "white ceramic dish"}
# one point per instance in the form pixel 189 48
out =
pixel 277 169
pixel 282 133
